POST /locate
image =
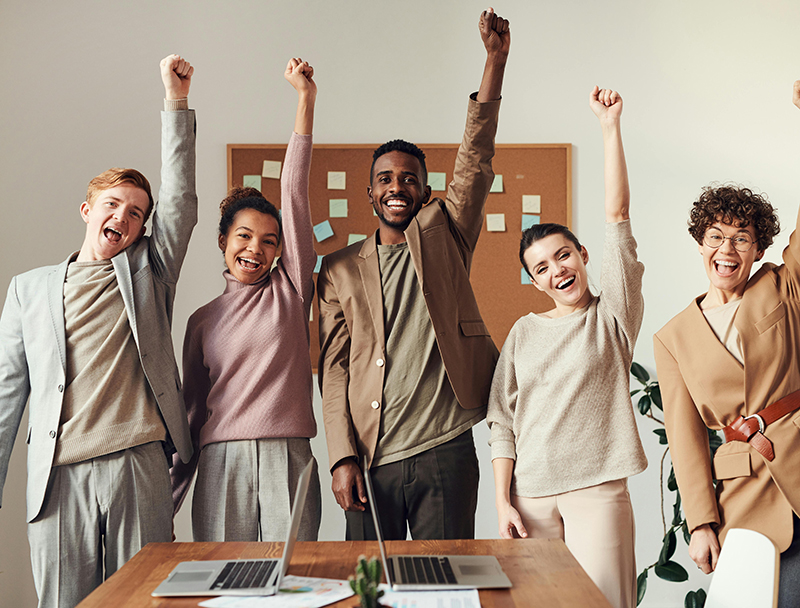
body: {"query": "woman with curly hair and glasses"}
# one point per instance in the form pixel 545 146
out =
pixel 731 362
pixel 246 369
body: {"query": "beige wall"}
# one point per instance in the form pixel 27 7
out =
pixel 706 87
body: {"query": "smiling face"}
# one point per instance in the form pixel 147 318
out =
pixel 397 193
pixel 250 245
pixel 114 221
pixel 728 269
pixel 558 269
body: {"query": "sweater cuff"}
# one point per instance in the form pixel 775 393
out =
pixel 176 105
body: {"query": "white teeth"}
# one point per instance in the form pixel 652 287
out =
pixel 565 282
pixel 724 263
pixel 249 264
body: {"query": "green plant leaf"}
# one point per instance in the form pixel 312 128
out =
pixel 671 571
pixel 635 391
pixel 644 405
pixel 639 373
pixel 686 536
pixel 677 516
pixel 695 599
pixel 672 484
pixel 667 547
pixel 655 395
pixel 662 436
pixel 641 586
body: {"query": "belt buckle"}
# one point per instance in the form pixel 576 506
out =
pixel 761 425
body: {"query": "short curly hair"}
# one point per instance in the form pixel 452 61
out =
pixel 245 198
pixel 735 205
pixel 399 145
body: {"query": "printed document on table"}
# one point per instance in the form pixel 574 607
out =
pixel 296 592
pixel 462 598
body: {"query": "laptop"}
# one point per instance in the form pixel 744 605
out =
pixel 239 576
pixel 434 572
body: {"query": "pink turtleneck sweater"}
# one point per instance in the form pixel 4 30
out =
pixel 246 368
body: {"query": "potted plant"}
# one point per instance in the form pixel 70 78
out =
pixel 365 582
pixel 664 567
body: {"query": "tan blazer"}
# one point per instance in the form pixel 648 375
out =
pixel 702 384
pixel 441 241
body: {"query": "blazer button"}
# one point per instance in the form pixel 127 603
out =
pixel 52 434
pixel 375 405
pixel 379 362
pixel 60 388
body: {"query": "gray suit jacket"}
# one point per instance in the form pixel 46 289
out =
pixel 33 338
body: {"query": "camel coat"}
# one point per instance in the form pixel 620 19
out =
pixel 703 385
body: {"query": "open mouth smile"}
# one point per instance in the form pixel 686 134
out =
pixel 566 282
pixel 112 235
pixel 396 203
pixel 725 268
pixel 248 264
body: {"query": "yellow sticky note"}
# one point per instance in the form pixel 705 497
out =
pixel 337 207
pixel 497 184
pixel 531 203
pixel 437 181
pixel 496 222
pixel 336 180
pixel 271 169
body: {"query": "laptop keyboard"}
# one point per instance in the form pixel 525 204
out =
pixel 245 574
pixel 425 570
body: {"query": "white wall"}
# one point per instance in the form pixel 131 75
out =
pixel 706 85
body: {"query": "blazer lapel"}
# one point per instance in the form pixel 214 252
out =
pixel 370 272
pixel 55 296
pixel 123 271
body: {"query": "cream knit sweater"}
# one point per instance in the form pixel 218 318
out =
pixel 560 403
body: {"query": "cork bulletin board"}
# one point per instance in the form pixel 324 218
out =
pixel 534 186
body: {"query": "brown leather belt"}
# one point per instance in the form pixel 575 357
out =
pixel 750 429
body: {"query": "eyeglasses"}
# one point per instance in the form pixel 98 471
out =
pixel 714 240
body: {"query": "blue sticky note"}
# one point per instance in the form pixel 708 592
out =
pixel 252 181
pixel 323 231
pixel 526 280
pixel 529 220
pixel 318 264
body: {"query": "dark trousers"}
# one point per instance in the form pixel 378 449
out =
pixel 789 587
pixel 434 493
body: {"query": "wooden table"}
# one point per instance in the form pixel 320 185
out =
pixel 543 572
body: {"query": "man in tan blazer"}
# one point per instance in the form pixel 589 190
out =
pixel 734 352
pixel 406 361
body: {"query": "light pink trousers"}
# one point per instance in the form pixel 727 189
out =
pixel 597 526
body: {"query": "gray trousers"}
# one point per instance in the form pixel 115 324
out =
pixel 97 514
pixel 434 493
pixel 245 490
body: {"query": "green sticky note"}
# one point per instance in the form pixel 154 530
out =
pixel 337 180
pixel 497 184
pixel 437 181
pixel 252 181
pixel 337 207
pixel 355 238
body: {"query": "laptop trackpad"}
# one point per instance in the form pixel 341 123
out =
pixel 475 570
pixel 190 577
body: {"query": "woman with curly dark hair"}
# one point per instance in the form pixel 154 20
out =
pixel 246 370
pixel 730 362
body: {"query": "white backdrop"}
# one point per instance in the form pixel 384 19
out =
pixel 706 85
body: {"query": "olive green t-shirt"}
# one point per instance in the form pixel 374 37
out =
pixel 420 410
